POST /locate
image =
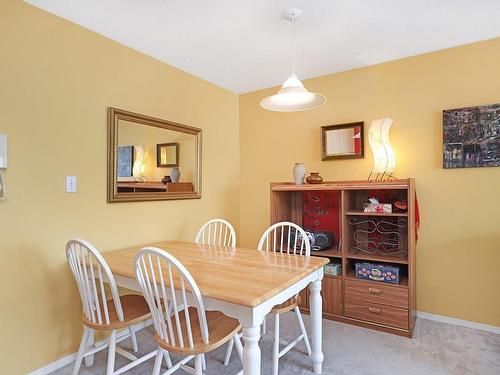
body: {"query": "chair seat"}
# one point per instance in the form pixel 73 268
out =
pixel 286 306
pixel 221 328
pixel 135 309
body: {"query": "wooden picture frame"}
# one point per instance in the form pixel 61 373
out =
pixel 326 148
pixel 159 147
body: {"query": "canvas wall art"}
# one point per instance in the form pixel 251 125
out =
pixel 471 137
pixel 125 161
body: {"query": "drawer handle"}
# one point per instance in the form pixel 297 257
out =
pixel 374 310
pixel 374 290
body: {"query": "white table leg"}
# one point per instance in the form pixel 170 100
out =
pixel 316 323
pixel 89 360
pixel 251 350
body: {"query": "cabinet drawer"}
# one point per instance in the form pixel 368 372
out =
pixel 382 294
pixel 372 312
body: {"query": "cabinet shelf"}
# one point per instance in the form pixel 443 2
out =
pixel 361 213
pixel 330 253
pixel 377 258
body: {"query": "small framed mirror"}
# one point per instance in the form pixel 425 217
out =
pixel 344 141
pixel 167 155
pixel 151 159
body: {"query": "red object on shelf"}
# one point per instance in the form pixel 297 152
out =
pixel 321 211
pixel 401 205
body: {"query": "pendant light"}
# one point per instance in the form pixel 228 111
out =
pixel 293 96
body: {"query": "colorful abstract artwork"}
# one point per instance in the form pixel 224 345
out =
pixel 471 137
pixel 125 161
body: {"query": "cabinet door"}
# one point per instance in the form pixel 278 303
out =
pixel 332 294
pixel 304 298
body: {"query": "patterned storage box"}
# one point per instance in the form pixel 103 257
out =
pixel 377 272
pixel 333 269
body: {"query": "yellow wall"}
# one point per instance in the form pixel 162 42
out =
pixel 56 82
pixel 458 254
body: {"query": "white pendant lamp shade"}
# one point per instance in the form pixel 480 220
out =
pixel 293 96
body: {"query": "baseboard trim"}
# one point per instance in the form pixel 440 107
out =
pixel 458 322
pixel 66 360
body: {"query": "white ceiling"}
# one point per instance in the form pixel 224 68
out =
pixel 244 45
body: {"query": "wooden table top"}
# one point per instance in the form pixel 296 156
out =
pixel 246 277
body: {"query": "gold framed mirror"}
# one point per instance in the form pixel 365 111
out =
pixel 151 159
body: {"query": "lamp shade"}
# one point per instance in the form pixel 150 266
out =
pixel 139 166
pixel 384 159
pixel 293 96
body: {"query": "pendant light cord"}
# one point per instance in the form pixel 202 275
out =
pixel 293 43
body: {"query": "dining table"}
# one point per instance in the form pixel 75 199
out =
pixel 243 283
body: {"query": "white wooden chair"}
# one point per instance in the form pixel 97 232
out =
pixel 181 323
pixel 284 237
pixel 93 278
pixel 217 232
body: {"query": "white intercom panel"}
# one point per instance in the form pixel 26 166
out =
pixel 3 151
pixel 3 164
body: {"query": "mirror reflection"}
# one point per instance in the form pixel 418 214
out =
pixel 154 158
pixel 167 155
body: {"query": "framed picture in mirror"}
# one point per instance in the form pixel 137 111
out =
pixel 167 155
pixel 343 141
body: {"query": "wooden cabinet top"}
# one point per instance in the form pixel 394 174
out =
pixel 343 185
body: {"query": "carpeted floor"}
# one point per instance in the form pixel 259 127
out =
pixel 436 349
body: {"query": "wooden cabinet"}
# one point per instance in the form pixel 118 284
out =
pixel 373 304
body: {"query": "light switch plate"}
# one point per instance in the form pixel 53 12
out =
pixel 70 184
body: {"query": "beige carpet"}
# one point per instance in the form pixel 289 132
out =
pixel 436 349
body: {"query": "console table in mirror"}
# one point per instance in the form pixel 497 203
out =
pixel 151 159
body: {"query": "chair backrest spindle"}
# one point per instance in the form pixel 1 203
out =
pixel 90 271
pixel 217 232
pixel 285 237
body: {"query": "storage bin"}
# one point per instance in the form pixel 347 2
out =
pixel 377 272
pixel 332 269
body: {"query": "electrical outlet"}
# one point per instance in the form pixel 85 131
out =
pixel 70 184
